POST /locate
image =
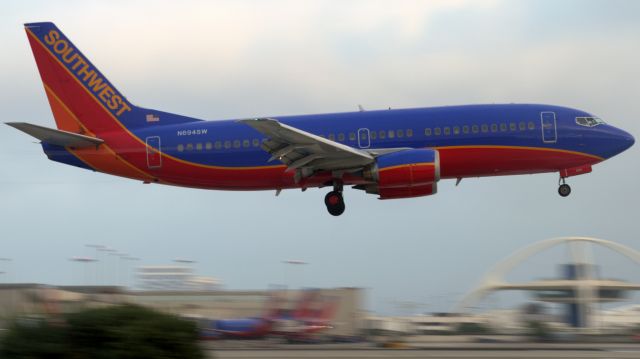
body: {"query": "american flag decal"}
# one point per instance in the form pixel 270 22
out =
pixel 152 118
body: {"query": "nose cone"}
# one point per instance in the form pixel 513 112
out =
pixel 620 140
pixel 626 140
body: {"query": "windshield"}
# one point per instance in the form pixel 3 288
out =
pixel 589 121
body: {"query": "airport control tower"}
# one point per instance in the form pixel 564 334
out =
pixel 579 287
pixel 580 276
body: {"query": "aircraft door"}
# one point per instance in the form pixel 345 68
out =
pixel 154 152
pixel 364 141
pixel 549 130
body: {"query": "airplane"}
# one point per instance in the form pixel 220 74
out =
pixel 246 328
pixel 304 324
pixel 393 154
pixel 262 326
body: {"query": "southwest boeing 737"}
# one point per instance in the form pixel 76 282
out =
pixel 390 153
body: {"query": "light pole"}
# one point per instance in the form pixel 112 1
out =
pixel 292 262
pixel 6 269
pixel 189 263
pixel 86 261
pixel 105 264
pixel 97 248
pixel 184 261
pixel 121 273
pixel 116 266
pixel 128 275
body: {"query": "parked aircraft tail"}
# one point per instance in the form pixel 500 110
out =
pixel 305 303
pixel 274 306
pixel 328 309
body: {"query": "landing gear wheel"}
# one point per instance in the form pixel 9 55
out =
pixel 564 190
pixel 335 203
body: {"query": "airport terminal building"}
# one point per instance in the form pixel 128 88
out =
pixel 39 299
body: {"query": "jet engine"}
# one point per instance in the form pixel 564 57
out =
pixel 402 174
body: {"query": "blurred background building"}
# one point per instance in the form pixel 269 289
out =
pixel 42 300
pixel 572 302
pixel 174 278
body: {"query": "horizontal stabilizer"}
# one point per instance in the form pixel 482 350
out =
pixel 56 137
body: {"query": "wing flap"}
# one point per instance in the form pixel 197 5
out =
pixel 299 149
pixel 56 137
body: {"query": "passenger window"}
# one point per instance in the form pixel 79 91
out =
pixel 218 145
pixel 465 129
pixel 512 126
pixel 532 126
pixel 503 127
pixel 474 128
pixel 409 132
pixel 246 143
pixel 341 137
pixel 373 135
pixel 199 146
pixel 332 137
pixel 427 132
pixel 352 136
pixel 382 134
pixel 522 126
pixel 447 131
pixel 208 146
pixel 256 142
pixel 456 130
pixel 485 128
pixel 436 131
pixel 189 147
pixel 392 134
pixel 227 144
pixel 180 148
pixel 494 127
pixel 236 143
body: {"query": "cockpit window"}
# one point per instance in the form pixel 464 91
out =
pixel 589 121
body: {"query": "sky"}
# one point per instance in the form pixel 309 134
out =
pixel 241 59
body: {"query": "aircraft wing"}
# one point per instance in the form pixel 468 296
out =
pixel 56 137
pixel 305 152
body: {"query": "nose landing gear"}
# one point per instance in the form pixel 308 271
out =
pixel 564 190
pixel 334 200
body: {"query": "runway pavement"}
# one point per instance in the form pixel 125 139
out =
pixel 400 353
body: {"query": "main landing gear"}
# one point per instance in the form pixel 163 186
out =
pixel 564 190
pixel 334 200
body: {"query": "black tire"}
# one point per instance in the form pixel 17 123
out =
pixel 564 190
pixel 336 210
pixel 335 203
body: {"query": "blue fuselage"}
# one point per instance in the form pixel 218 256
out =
pixel 232 144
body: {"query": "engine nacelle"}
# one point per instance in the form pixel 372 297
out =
pixel 392 193
pixel 409 173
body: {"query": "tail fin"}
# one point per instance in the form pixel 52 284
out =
pixel 82 99
pixel 305 303
pixel 273 307
pixel 329 308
